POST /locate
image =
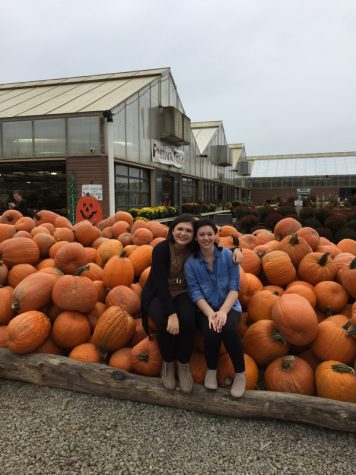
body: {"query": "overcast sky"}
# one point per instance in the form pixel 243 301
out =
pixel 280 74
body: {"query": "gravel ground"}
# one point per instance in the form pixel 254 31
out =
pixel 50 431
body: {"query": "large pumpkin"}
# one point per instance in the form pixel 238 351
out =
pixel 85 232
pixel 70 329
pixel 316 267
pixel 33 292
pixel 27 331
pixel 118 271
pixel 75 293
pixel 125 298
pixel 70 257
pixel 336 380
pixel 295 318
pixel 290 374
pixel 278 268
pixel 263 342
pixel 19 251
pixel 141 258
pixel 348 278
pixel 114 329
pixel 333 342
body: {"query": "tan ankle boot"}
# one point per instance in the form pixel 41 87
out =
pixel 239 385
pixel 168 376
pixel 210 381
pixel 185 377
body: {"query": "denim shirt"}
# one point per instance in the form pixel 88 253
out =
pixel 212 286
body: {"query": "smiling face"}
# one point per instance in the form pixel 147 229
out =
pixel 206 237
pixel 183 234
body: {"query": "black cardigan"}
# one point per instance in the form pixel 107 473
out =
pixel 157 283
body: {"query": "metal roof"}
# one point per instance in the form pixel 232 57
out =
pixel 312 166
pixel 72 95
pixel 203 132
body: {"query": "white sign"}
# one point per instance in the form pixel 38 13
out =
pixel 303 191
pixel 93 190
pixel 167 155
pixel 298 203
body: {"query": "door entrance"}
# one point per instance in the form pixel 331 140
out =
pixel 167 190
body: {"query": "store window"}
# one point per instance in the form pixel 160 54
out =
pixel 189 190
pixel 84 136
pixel 17 139
pixel 49 137
pixel 132 187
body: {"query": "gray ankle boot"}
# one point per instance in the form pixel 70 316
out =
pixel 239 385
pixel 185 377
pixel 168 376
pixel 210 381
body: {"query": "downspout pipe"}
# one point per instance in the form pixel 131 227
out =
pixel 110 150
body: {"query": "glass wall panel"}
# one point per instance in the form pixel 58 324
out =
pixel 145 127
pixel 84 136
pixel 132 129
pixel 17 139
pixel 120 134
pixel 132 187
pixel 49 137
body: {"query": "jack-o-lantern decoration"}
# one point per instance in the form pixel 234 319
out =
pixel 90 209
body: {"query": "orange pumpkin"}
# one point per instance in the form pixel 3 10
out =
pixel 310 235
pixel 125 298
pixel 19 272
pixel 278 268
pixel 290 374
pixel 333 342
pixel 45 216
pixel 114 329
pixel 4 272
pixel 85 232
pixel 142 236
pixel 295 318
pixel 264 343
pixel 7 231
pixel 295 246
pixel 141 258
pixel 316 267
pixel 285 227
pixel 124 216
pixel 33 292
pixel 6 310
pixel 121 359
pixel 146 358
pixel 348 278
pixel 251 262
pixel 27 331
pixel 198 367
pixel 107 249
pixel 347 245
pixel 19 251
pixel 70 257
pixel 3 336
pixel 70 329
pixel 75 293
pixel 118 271
pixel 335 380
pixel 85 352
pixel 331 297
pixel 260 305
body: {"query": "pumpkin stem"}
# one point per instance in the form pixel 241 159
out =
pixel 294 239
pixel 104 356
pixel 328 311
pixel 235 240
pixel 16 306
pixel 9 218
pixel 353 263
pixel 143 357
pixel 324 259
pixel 288 362
pixel 275 292
pixel 351 331
pixel 81 269
pixel 276 336
pixel 342 368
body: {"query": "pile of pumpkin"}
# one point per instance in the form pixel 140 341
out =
pixel 74 290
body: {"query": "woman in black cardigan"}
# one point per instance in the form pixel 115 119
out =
pixel 165 300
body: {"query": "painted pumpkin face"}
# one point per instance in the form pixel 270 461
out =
pixel 90 209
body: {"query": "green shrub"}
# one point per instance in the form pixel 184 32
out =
pixel 325 232
pixel 287 211
pixel 134 212
pixel 312 223
pixel 345 233
pixel 307 212
pixel 264 211
pixel 272 219
pixel 335 221
pixel 246 223
pixel 323 213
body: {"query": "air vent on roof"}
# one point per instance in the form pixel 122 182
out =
pixel 221 156
pixel 175 126
pixel 242 167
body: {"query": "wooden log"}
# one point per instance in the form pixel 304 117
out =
pixel 98 379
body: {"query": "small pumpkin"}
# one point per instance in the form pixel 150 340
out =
pixel 146 358
pixel 75 293
pixel 121 359
pixel 70 329
pixel 114 329
pixel 290 374
pixel 85 352
pixel 336 380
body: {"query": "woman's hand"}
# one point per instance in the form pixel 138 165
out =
pixel 212 322
pixel 173 324
pixel 220 320
pixel 237 256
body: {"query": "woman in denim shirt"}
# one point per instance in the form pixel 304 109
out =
pixel 213 283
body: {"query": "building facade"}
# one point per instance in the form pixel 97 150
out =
pixel 122 137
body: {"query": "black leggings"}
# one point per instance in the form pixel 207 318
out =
pixel 179 346
pixel 229 336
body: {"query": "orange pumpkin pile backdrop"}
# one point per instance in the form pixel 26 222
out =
pixel 74 290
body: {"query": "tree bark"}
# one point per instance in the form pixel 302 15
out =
pixel 98 379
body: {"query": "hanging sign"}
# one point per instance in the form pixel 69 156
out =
pixel 93 190
pixel 167 155
pixel 90 209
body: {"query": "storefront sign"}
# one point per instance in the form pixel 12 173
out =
pixel 93 190
pixel 167 155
